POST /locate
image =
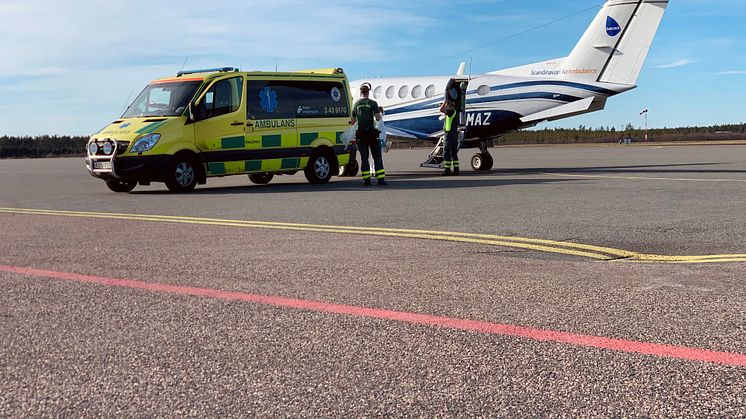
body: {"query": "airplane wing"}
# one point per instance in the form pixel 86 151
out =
pixel 404 135
pixel 590 104
pixel 399 134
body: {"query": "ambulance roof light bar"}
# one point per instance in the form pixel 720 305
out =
pixel 207 70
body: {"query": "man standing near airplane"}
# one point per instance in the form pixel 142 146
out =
pixel 450 152
pixel 364 112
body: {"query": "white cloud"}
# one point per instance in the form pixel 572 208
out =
pixel 675 64
pixel 732 73
pixel 77 62
pixel 105 35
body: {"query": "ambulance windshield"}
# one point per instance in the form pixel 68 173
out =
pixel 163 99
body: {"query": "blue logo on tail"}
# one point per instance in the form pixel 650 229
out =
pixel 612 26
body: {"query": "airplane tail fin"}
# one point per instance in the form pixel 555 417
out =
pixel 615 46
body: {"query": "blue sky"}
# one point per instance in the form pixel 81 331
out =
pixel 69 68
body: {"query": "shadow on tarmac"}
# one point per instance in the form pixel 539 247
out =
pixel 649 169
pixel 433 180
pixel 399 181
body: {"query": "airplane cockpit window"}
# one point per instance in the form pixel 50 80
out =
pixel 403 91
pixel 417 92
pixel 378 92
pixel 483 90
pixel 430 91
pixel 390 92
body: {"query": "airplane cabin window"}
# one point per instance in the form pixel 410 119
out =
pixel 430 91
pixel 390 92
pixel 378 92
pixel 483 90
pixel 417 92
pixel 403 91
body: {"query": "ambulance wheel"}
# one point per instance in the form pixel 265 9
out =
pixel 350 169
pixel 481 161
pixel 181 175
pixel 261 178
pixel 319 168
pixel 120 186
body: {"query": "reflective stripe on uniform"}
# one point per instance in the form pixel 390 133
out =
pixel 455 163
pixel 366 175
pixel 380 174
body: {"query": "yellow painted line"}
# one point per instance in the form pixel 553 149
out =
pixel 643 178
pixel 539 245
pixel 615 253
pixel 315 228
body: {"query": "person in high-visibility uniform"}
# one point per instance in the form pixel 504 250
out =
pixel 450 146
pixel 365 112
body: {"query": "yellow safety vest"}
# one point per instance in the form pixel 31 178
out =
pixel 449 122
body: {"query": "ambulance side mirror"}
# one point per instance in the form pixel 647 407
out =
pixel 197 112
pixel 191 113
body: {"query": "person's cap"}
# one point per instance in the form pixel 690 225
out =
pixel 365 86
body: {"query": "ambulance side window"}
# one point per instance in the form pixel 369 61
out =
pixel 316 99
pixel 224 97
pixel 269 99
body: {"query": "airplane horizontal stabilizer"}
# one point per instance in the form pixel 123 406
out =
pixel 587 105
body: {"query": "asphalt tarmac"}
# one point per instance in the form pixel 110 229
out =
pixel 143 316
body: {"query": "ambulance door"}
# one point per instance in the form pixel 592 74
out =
pixel 220 125
pixel 271 134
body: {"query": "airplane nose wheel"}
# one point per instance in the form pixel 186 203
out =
pixel 481 162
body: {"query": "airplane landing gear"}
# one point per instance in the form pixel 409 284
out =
pixel 482 161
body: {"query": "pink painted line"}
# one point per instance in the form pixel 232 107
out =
pixel 655 349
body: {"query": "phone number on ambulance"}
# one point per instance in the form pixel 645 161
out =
pixel 335 109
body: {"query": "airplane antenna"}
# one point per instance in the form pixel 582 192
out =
pixel 183 65
pixel 515 35
pixel 471 62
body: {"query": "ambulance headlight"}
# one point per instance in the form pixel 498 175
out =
pixel 92 149
pixel 108 148
pixel 145 143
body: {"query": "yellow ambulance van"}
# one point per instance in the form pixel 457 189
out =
pixel 199 124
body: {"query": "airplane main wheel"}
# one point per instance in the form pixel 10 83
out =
pixel 488 161
pixel 481 162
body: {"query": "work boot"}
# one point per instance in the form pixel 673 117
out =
pixel 455 171
pixel 382 182
pixel 366 182
pixel 447 172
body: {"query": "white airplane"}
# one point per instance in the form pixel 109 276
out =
pixel 607 61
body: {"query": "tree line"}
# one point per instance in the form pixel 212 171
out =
pixel 54 146
pixel 42 146
pixel 585 134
